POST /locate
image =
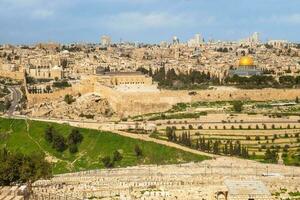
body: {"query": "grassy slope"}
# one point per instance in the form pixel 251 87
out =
pixel 96 144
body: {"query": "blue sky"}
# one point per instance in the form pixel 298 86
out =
pixel 31 21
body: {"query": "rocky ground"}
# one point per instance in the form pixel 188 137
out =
pixel 88 106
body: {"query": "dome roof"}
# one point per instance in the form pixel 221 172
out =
pixel 246 61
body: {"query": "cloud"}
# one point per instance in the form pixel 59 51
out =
pixel 133 21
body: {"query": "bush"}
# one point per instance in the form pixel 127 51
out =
pixel 69 99
pixel 73 148
pixel 75 137
pixel 62 84
pixel 16 168
pixel 59 143
pixel 117 156
pixel 107 162
pixel 49 134
pixel 138 151
pixel 237 106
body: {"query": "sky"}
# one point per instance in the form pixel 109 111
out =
pixel 148 21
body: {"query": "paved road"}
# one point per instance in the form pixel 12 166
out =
pixel 16 96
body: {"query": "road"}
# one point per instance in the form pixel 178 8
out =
pixel 16 96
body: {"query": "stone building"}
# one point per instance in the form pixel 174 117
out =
pixel 124 78
pixel 279 43
pixel 105 40
pixel 246 67
pixel 45 72
pixel 127 81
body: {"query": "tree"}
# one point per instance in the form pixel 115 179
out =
pixel 49 134
pixel 73 148
pixel 271 156
pixel 107 162
pixel 48 88
pixel 216 147
pixel 237 106
pixel 16 168
pixel 75 137
pixel 59 143
pixel 117 156
pixel 138 151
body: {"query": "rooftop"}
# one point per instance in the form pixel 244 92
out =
pixel 122 73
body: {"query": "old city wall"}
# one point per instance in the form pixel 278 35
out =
pixel 240 94
pixel 142 103
pixel 58 94
pixel 126 104
pixel 145 102
pixel 114 97
pixel 18 75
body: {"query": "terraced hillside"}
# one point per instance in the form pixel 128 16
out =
pixel 258 127
pixel 257 138
pixel 29 137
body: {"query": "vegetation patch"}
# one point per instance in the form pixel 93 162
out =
pixel 29 138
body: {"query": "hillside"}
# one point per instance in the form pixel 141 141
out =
pixel 28 137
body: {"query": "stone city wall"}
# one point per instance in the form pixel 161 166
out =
pixel 240 94
pixel 17 75
pixel 145 102
pixel 58 94
pixel 142 103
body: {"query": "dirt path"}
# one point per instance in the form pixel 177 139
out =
pixel 144 138
pixel 163 142
pixel 131 135
pixel 49 157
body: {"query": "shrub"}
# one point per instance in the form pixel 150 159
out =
pixel 107 162
pixel 69 99
pixel 75 137
pixel 138 151
pixel 59 143
pixel 61 84
pixel 49 134
pixel 73 148
pixel 237 106
pixel 18 168
pixel 117 156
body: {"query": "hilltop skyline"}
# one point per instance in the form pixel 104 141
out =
pixel 148 21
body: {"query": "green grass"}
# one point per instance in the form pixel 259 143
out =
pixel 292 159
pixel 95 145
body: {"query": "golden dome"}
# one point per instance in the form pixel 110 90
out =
pixel 246 61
